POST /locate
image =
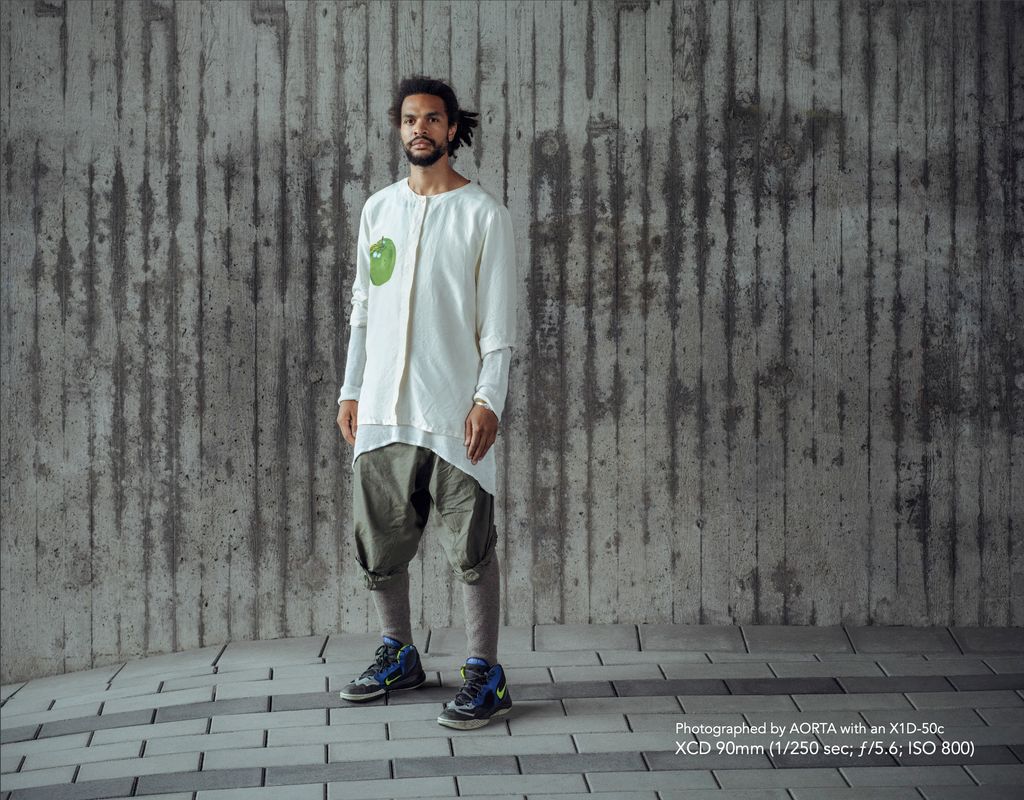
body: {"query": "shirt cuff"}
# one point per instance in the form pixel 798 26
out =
pixel 355 364
pixel 492 385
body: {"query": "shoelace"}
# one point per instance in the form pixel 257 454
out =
pixel 381 659
pixel 471 688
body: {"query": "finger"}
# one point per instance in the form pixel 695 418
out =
pixel 474 446
pixel 469 430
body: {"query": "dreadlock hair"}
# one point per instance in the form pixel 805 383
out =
pixel 465 121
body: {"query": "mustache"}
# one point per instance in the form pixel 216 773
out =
pixel 422 139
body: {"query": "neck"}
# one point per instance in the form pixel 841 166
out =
pixel 438 178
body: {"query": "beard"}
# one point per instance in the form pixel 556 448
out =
pixel 427 158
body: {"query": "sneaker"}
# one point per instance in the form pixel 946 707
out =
pixel 483 695
pixel 394 667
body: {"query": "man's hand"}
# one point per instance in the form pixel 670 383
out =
pixel 481 431
pixel 347 414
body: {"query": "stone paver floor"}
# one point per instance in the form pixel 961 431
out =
pixel 666 712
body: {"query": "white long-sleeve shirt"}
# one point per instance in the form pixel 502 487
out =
pixel 436 297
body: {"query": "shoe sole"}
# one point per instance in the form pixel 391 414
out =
pixel 362 698
pixel 470 724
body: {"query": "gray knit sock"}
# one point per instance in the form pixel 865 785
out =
pixel 392 604
pixel 481 602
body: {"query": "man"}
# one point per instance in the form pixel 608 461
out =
pixel 433 324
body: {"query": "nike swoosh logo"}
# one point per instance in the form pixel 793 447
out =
pixel 501 692
pixel 389 681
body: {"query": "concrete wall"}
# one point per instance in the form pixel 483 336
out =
pixel 771 363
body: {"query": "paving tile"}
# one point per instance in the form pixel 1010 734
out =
pixel 777 778
pixel 585 637
pixel 271 652
pixel 86 680
pixel 173 796
pixel 788 719
pixel 23 733
pixel 9 689
pixel 1002 716
pixel 896 639
pixel 10 763
pixel 733 669
pixel 970 792
pixel 662 760
pixel 699 638
pixel 981 683
pixel 938 666
pixel 287 756
pixel 365 751
pixel 243 705
pixel 513 745
pixel 990 640
pixel 308 791
pixel 328 734
pixel 521 784
pixel 642 723
pixel 325 773
pixel 53 715
pixel 817 669
pixel 401 787
pixel 306 702
pixel 452 641
pixel 107 695
pixel 353 714
pixel 197 781
pixel 151 733
pixel 615 742
pixel 82 755
pixel 334 669
pixel 989 735
pixel 607 761
pixel 725 794
pixel 429 729
pixel 618 657
pixel 855 702
pixel 584 723
pixel 218 678
pixel 235 740
pixel 906 776
pixel 28 747
pixel 908 683
pixel 117 787
pixel 420 767
pixel 551 658
pixel 607 673
pixel 169 663
pixel 740 658
pixel 697 704
pixel 783 638
pixel 1003 775
pixel 620 705
pixel 69 726
pixel 202 694
pixel 634 795
pixel 1001 664
pixel 791 686
pixel 566 689
pixel 996 699
pixel 37 777
pixel 27 704
pixel 176 762
pixel 276 688
pixel 858 793
pixel 649 781
pixel 677 686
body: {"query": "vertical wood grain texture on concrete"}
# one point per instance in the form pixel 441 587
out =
pixel 771 270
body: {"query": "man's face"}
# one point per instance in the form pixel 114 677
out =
pixel 425 129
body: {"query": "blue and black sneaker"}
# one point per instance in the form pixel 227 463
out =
pixel 394 667
pixel 483 695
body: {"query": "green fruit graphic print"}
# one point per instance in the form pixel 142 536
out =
pixel 382 261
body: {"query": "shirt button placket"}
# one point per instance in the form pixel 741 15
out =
pixel 405 313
